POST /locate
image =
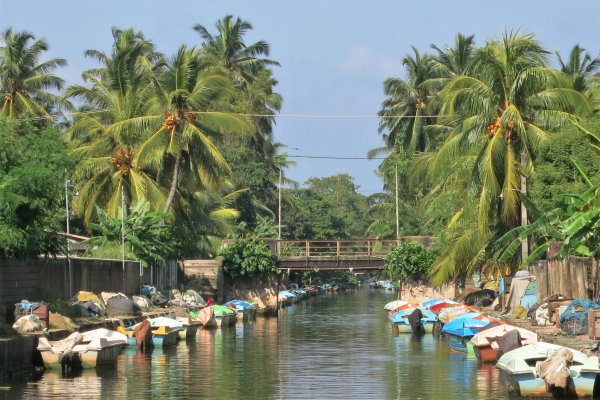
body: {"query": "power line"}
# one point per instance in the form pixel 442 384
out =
pixel 291 116
pixel 337 158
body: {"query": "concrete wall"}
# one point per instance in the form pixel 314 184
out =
pixel 204 276
pixel 16 355
pixel 572 277
pixel 26 279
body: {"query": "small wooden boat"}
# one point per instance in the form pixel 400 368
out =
pixel 392 305
pixel 87 350
pixel 525 373
pixel 244 311
pixel 140 335
pixel 164 336
pixel 463 327
pixel 190 328
pixel 486 342
pixel 223 317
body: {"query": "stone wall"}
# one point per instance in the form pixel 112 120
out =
pixel 203 276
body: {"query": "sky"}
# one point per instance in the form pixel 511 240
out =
pixel 334 54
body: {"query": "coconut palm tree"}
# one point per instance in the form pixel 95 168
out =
pixel 183 127
pixel 500 114
pixel 405 113
pixel 228 52
pixel 116 91
pixel 579 66
pixel 24 80
pixel 457 60
pixel 505 109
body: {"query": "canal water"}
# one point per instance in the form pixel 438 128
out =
pixel 335 346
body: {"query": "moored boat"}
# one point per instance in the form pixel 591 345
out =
pixel 490 344
pixel 392 305
pixel 526 368
pixel 244 310
pixel 87 350
pixel 463 327
pixel 223 316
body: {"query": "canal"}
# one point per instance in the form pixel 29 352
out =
pixel 335 346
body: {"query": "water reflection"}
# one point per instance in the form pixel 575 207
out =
pixel 332 346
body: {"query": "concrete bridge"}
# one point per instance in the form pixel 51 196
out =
pixel 354 255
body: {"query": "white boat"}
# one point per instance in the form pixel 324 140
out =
pixel 87 350
pixel 521 367
pixel 485 343
pixel 394 304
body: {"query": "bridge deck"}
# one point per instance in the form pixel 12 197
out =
pixel 333 254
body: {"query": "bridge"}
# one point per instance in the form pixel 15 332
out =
pixel 327 255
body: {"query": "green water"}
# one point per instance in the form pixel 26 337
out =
pixel 336 346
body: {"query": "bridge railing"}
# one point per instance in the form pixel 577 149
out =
pixel 365 248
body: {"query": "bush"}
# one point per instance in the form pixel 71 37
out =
pixel 408 261
pixel 249 258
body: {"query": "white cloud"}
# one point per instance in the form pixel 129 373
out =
pixel 363 60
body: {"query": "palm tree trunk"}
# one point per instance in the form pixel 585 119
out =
pixel 173 186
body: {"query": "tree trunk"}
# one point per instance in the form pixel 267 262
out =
pixel 399 290
pixel 173 186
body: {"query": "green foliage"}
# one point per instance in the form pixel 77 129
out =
pixel 408 261
pixel 329 208
pixel 147 237
pixel 249 259
pixel 556 173
pixel 576 223
pixel 33 162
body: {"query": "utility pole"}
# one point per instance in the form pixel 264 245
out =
pixel 525 242
pixel 67 182
pixel 397 210
pixel 123 232
pixel 279 214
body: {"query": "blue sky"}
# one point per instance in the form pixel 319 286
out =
pixel 334 54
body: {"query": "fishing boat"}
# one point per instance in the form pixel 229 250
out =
pixel 490 344
pixel 447 314
pixel 392 305
pixel 244 311
pixel 223 316
pixel 463 327
pixel 401 319
pixel 436 305
pixel 139 335
pixel 87 350
pixel 524 371
pixel 190 328
pixel 163 336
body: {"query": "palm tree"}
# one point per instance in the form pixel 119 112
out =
pixel 505 109
pixel 24 81
pixel 228 52
pixel 183 127
pixel 405 113
pixel 500 114
pixel 457 60
pixel 579 66
pixel 117 91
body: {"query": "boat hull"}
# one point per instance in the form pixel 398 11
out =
pixel 89 358
pixel 225 320
pixel 244 315
pixel 189 331
pixel 530 385
pixel 402 327
pixel 167 339
pixel 486 354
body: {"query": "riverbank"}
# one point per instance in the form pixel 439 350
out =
pixel 553 334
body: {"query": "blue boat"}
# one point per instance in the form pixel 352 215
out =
pixel 244 310
pixel 463 328
pixel 401 321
